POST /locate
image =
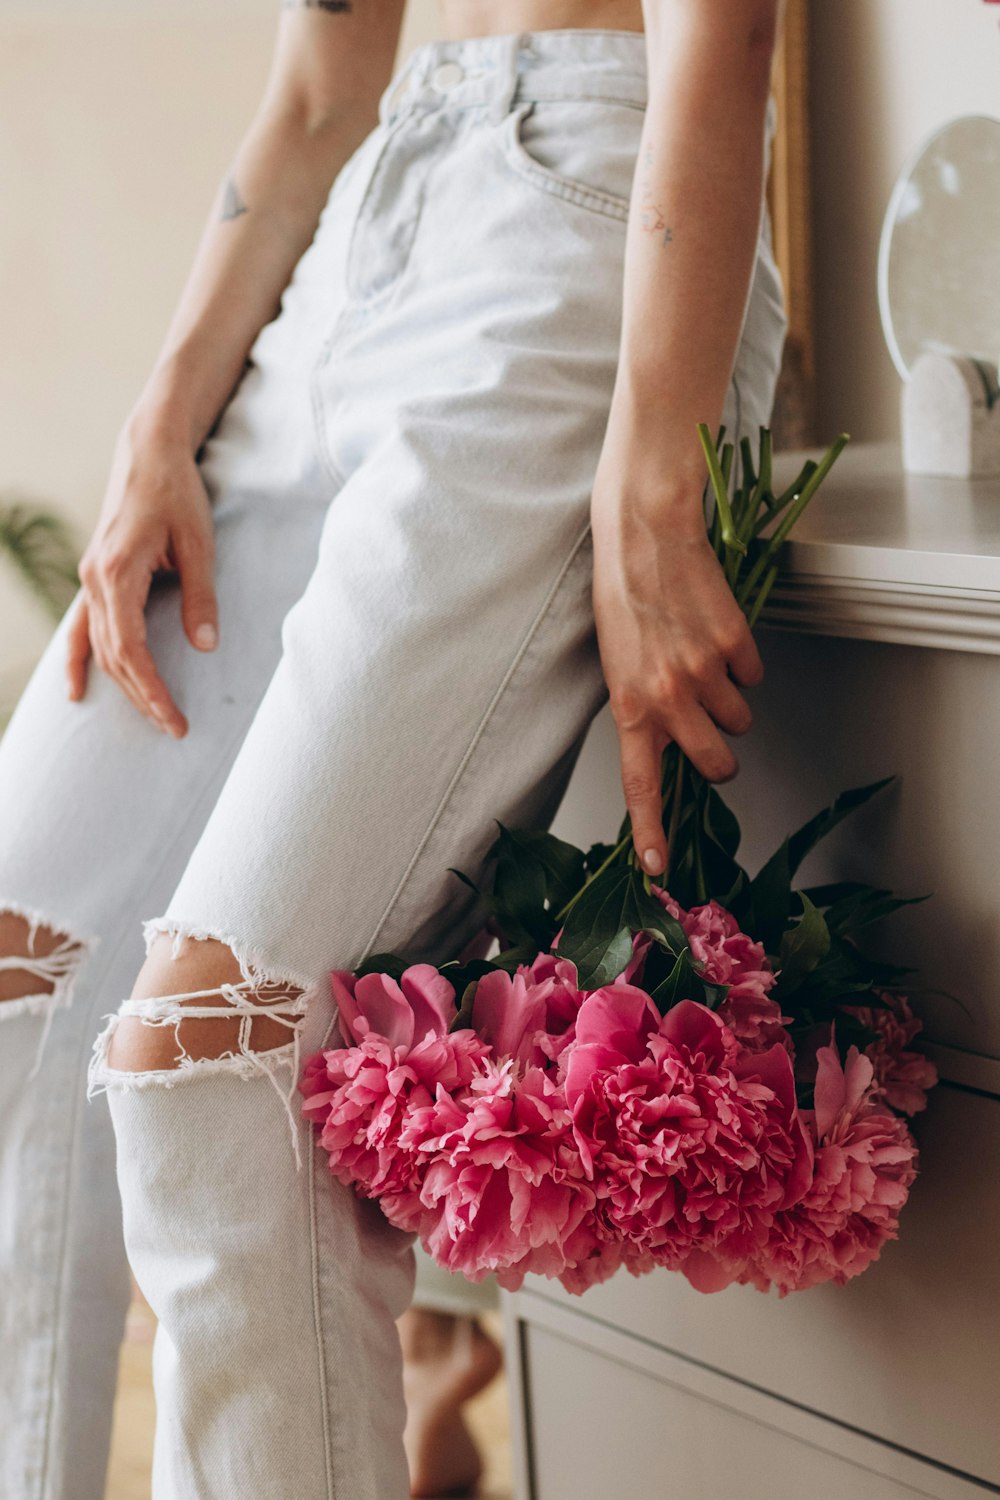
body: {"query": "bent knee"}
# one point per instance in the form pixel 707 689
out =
pixel 191 1003
pixel 38 960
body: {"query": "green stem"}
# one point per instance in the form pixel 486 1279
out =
pixel 765 589
pixel 605 863
pixel 675 795
pixel 719 487
pixel 699 865
pixel 777 538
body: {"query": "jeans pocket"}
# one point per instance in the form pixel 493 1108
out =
pixel 581 150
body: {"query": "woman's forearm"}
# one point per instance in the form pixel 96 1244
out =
pixel 263 217
pixel 330 67
pixel 691 240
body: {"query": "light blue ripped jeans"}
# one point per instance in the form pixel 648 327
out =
pixel 401 487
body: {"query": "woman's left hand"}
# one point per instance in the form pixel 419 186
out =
pixel 674 647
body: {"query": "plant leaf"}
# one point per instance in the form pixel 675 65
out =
pixel 809 835
pixel 383 963
pixel 802 947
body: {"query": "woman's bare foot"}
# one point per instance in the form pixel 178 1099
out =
pixel 446 1360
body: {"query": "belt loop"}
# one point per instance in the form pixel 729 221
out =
pixel 508 77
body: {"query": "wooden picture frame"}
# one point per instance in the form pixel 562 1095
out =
pixel 788 196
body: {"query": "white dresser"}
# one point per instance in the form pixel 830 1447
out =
pixel 882 654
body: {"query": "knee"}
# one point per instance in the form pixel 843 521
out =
pixel 38 961
pixel 191 1003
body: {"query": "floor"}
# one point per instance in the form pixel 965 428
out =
pixel 132 1441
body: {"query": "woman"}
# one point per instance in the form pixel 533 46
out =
pixel 338 614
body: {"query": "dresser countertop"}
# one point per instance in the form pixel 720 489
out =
pixel 911 558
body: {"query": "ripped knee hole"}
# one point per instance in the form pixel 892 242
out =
pixel 38 961
pixel 192 1003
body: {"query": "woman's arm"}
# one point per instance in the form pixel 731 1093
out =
pixel 669 630
pixel 332 60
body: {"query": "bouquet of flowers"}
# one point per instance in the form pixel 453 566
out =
pixel 706 1074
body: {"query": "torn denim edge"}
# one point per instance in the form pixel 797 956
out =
pixel 61 967
pixel 254 966
pixel 170 1010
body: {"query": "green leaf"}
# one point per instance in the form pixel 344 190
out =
pixel 463 1016
pixel 517 953
pixel 771 899
pixel 680 983
pixel 383 963
pixel 802 947
pixel 596 855
pixel 809 835
pixel 562 864
pixel 721 823
pixel 41 547
pixel 597 934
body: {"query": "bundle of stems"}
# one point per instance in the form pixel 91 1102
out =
pixel 747 532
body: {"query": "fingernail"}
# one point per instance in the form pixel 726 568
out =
pixel 653 862
pixel 207 637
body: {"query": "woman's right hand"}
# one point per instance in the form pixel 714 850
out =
pixel 156 516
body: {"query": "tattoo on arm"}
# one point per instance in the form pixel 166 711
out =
pixel 232 203
pixel 335 7
pixel 650 214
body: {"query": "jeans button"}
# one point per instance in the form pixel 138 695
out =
pixel 446 75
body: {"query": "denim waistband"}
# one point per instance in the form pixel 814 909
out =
pixel 495 72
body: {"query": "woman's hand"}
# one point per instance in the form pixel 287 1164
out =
pixel 156 515
pixel 674 645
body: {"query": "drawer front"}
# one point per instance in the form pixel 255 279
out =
pixel 603 1429
pixel 909 1352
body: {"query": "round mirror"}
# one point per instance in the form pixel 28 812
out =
pixel 939 258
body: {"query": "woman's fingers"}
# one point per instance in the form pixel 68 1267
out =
pixel 134 667
pixel 193 553
pixel 727 705
pixel 744 661
pixel 702 743
pixel 103 654
pixel 641 751
pixel 78 651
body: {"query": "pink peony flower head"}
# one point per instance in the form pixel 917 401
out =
pixel 422 1003
pixel 903 1075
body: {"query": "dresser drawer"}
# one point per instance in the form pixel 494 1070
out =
pixel 909 1352
pixel 611 1424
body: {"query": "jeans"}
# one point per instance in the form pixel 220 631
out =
pixel 400 485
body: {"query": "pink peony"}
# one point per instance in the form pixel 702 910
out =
pixel 865 1161
pixel 360 1096
pixel 689 1142
pixel 422 1003
pixel 726 956
pixel 502 1188
pixel 904 1076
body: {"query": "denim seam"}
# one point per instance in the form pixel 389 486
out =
pixel 316 403
pixel 480 730
pixel 321 1369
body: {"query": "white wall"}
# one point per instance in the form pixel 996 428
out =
pixel 884 74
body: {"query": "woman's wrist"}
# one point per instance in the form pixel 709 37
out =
pixel 647 470
pixel 165 416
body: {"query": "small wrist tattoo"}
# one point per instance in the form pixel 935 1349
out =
pixel 232 203
pixel 650 213
pixel 334 7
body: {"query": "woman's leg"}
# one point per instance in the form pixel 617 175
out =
pixel 99 813
pixel 439 671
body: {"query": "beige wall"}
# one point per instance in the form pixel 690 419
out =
pixel 117 118
pixel 884 74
